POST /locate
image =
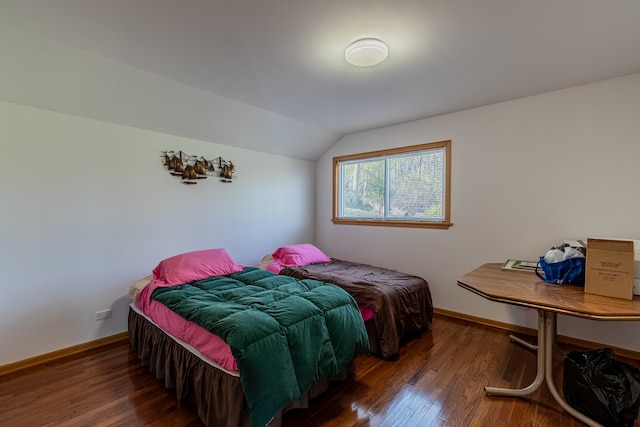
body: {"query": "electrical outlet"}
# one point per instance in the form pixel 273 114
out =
pixel 104 314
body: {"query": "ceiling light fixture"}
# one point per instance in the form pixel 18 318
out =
pixel 366 52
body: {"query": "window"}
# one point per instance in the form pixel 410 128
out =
pixel 401 187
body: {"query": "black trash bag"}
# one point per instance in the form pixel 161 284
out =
pixel 602 388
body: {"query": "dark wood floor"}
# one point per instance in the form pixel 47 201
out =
pixel 437 381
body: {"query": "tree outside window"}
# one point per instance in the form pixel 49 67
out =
pixel 406 187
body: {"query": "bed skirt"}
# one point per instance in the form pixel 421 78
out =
pixel 217 395
pixel 372 333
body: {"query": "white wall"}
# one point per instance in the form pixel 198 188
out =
pixel 526 174
pixel 87 208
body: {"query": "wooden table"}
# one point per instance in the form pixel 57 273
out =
pixel 523 288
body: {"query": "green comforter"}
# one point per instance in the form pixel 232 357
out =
pixel 286 334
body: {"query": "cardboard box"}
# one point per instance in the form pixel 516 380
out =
pixel 610 268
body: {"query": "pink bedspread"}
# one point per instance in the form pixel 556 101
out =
pixel 367 313
pixel 210 345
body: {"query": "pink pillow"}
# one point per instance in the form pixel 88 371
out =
pixel 197 265
pixel 274 267
pixel 302 254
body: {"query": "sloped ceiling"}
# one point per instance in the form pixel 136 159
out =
pixel 271 75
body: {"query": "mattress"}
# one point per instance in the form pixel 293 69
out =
pixel 215 393
pixel 310 307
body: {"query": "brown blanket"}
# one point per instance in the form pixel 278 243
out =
pixel 402 302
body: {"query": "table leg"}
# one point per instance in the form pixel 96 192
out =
pixel 550 331
pixel 539 379
pixel 523 342
pixel 547 330
pixel 533 346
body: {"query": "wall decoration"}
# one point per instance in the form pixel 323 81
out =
pixel 190 169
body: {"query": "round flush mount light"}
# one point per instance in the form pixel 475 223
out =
pixel 366 52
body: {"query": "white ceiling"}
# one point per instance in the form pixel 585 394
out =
pixel 286 57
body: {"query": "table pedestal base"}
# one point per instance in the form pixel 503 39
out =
pixel 523 343
pixel 544 349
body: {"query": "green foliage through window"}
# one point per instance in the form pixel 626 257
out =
pixel 407 186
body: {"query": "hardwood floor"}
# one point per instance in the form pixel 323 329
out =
pixel 437 381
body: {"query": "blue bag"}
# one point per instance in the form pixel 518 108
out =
pixel 570 271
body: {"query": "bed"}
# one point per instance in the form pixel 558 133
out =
pixel 240 343
pixel 400 303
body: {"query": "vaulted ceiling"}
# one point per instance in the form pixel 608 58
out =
pixel 280 64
